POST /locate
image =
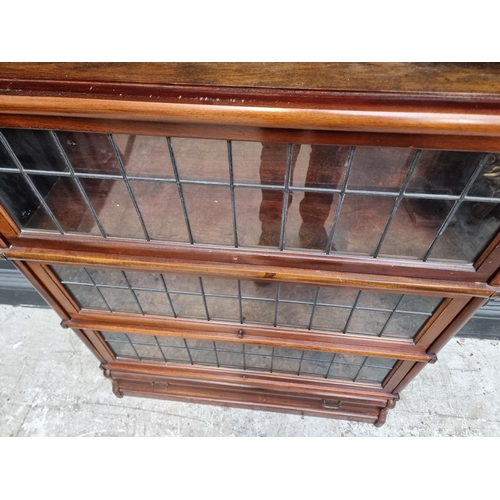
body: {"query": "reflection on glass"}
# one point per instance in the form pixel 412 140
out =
pixel 5 159
pixel 443 172
pixel 467 233
pixel 87 297
pixel 379 169
pixel 201 159
pixel 161 210
pixel 210 214
pixel 89 153
pixel 35 149
pixel 246 161
pixel 414 227
pixel 145 156
pixel 22 204
pixel 66 203
pixel 309 220
pixel 114 207
pixel 325 169
pixel 361 223
pixel 120 300
pixel 154 303
pixel 303 195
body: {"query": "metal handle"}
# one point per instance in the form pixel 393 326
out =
pixel 160 384
pixel 331 405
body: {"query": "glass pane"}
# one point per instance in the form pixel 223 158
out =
pixel 258 312
pixel 263 350
pixel 330 318
pixel 189 306
pixel 259 289
pixel 154 303
pixel 66 203
pixel 246 161
pixel 417 303
pixel 343 372
pixel 149 352
pixel 35 149
pixel 337 296
pixel 145 156
pixel 314 368
pixel 71 274
pixel 298 293
pixel 88 297
pixel 320 166
pixel 210 214
pixel 201 159
pixel 203 357
pixel 229 346
pixel 145 280
pixel 230 359
pixel 182 283
pixel 414 227
pixel 107 277
pixel 367 321
pixel 220 286
pixel 487 184
pixel 309 220
pixel 372 375
pixel 89 153
pixel 200 344
pixel 443 172
pixel 362 221
pixel 254 362
pixel 223 309
pixel 123 350
pixel 258 216
pixel 379 169
pixel 378 300
pixel 114 207
pixel 468 232
pixel 110 335
pixel 22 204
pixel 6 160
pixel 120 300
pixel 176 354
pixel 405 325
pixel 294 315
pixel 171 341
pixel 161 210
pixel 380 362
pixel 137 338
pixel 286 365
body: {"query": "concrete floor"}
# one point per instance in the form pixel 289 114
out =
pixel 51 385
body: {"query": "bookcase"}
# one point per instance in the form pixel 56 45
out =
pixel 261 236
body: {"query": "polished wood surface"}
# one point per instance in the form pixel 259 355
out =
pixel 366 119
pixel 261 272
pixel 380 77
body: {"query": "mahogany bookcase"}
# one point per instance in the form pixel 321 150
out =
pixel 292 237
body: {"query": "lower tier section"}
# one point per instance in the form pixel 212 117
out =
pixel 252 391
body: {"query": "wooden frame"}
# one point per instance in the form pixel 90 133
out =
pixel 456 112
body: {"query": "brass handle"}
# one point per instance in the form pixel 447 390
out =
pixel 159 384
pixel 331 405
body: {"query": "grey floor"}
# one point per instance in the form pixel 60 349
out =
pixel 51 385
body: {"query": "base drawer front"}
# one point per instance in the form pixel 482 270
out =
pixel 218 394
